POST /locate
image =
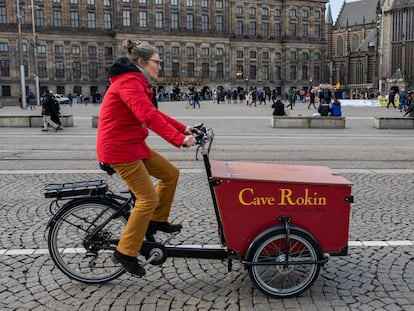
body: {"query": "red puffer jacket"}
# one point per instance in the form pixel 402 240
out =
pixel 126 113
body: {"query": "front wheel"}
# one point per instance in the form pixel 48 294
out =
pixel 268 272
pixel 77 250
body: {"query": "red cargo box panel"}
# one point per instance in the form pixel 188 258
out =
pixel 251 196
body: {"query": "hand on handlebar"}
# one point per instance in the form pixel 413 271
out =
pixel 188 130
pixel 189 141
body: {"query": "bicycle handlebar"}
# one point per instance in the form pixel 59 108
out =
pixel 202 134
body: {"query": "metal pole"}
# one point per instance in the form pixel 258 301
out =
pixel 23 103
pixel 36 77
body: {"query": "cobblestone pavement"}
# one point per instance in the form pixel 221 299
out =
pixel 377 274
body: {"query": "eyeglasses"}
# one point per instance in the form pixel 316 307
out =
pixel 157 61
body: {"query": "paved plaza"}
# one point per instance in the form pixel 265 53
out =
pixel 377 273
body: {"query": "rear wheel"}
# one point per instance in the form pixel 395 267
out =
pixel 268 270
pixel 75 251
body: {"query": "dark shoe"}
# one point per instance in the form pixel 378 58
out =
pixel 129 263
pixel 163 226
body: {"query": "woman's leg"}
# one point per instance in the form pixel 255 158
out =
pixel 138 180
pixel 167 174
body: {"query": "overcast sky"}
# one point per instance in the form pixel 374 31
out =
pixel 336 6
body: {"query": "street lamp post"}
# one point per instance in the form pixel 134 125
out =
pixel 23 103
pixel 36 77
pixel 246 80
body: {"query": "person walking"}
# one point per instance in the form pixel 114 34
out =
pixel 391 99
pixel 48 108
pixel 126 116
pixel 312 97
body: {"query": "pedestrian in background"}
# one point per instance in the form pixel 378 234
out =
pixel 336 108
pixel 48 107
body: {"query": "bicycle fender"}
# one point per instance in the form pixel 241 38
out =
pixel 278 228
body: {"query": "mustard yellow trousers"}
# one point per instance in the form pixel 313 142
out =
pixel 152 203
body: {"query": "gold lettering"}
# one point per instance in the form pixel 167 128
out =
pixel 257 201
pixel 241 199
pixel 306 200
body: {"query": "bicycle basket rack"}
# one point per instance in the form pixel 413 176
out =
pixel 90 187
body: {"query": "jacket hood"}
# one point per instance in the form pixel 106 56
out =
pixel 121 66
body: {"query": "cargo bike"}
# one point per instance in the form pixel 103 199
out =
pixel 281 222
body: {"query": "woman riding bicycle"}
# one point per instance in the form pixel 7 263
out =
pixel 127 112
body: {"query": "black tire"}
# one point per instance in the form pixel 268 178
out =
pixel 283 281
pixel 68 247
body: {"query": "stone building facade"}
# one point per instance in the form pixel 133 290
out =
pixel 207 43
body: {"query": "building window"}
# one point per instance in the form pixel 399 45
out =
pixel 339 46
pixel 265 29
pixel 204 22
pixel 90 2
pixel 3 15
pixel 292 30
pixel 316 75
pixel 159 20
pixel 175 70
pixel 265 55
pixel 158 2
pixel 59 49
pixel 59 69
pixel 253 54
pixel 76 50
pixel 142 1
pixel 265 12
pixel 5 68
pixel 317 14
pixel 293 73
pixel 305 56
pixel 205 70
pixel 174 20
pixel 93 70
pixel 205 51
pixel 91 20
pixel 252 29
pixel 316 31
pixel 107 2
pixel 41 49
pixel 219 70
pixel 204 3
pixel 304 72
pixel 278 73
pixel 292 13
pixel 190 70
pixel 40 18
pixel 108 51
pixel 76 70
pixel 5 90
pixel 126 18
pixel 355 43
pixel 189 3
pixel 239 54
pixel 239 28
pixel 278 56
pixel 92 50
pixel 219 23
pixel 189 21
pixel 265 72
pixel 293 55
pixel 219 51
pixel 174 2
pixel 143 19
pixel 4 47
pixel 42 69
pixel 253 72
pixel 278 12
pixel 190 51
pixel 57 18
pixel 305 13
pixel 316 56
pixel 252 12
pixel 239 10
pixel 74 19
pixel 305 30
pixel 175 50
pixel 278 30
pixel 160 49
pixel 219 4
pixel 107 21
